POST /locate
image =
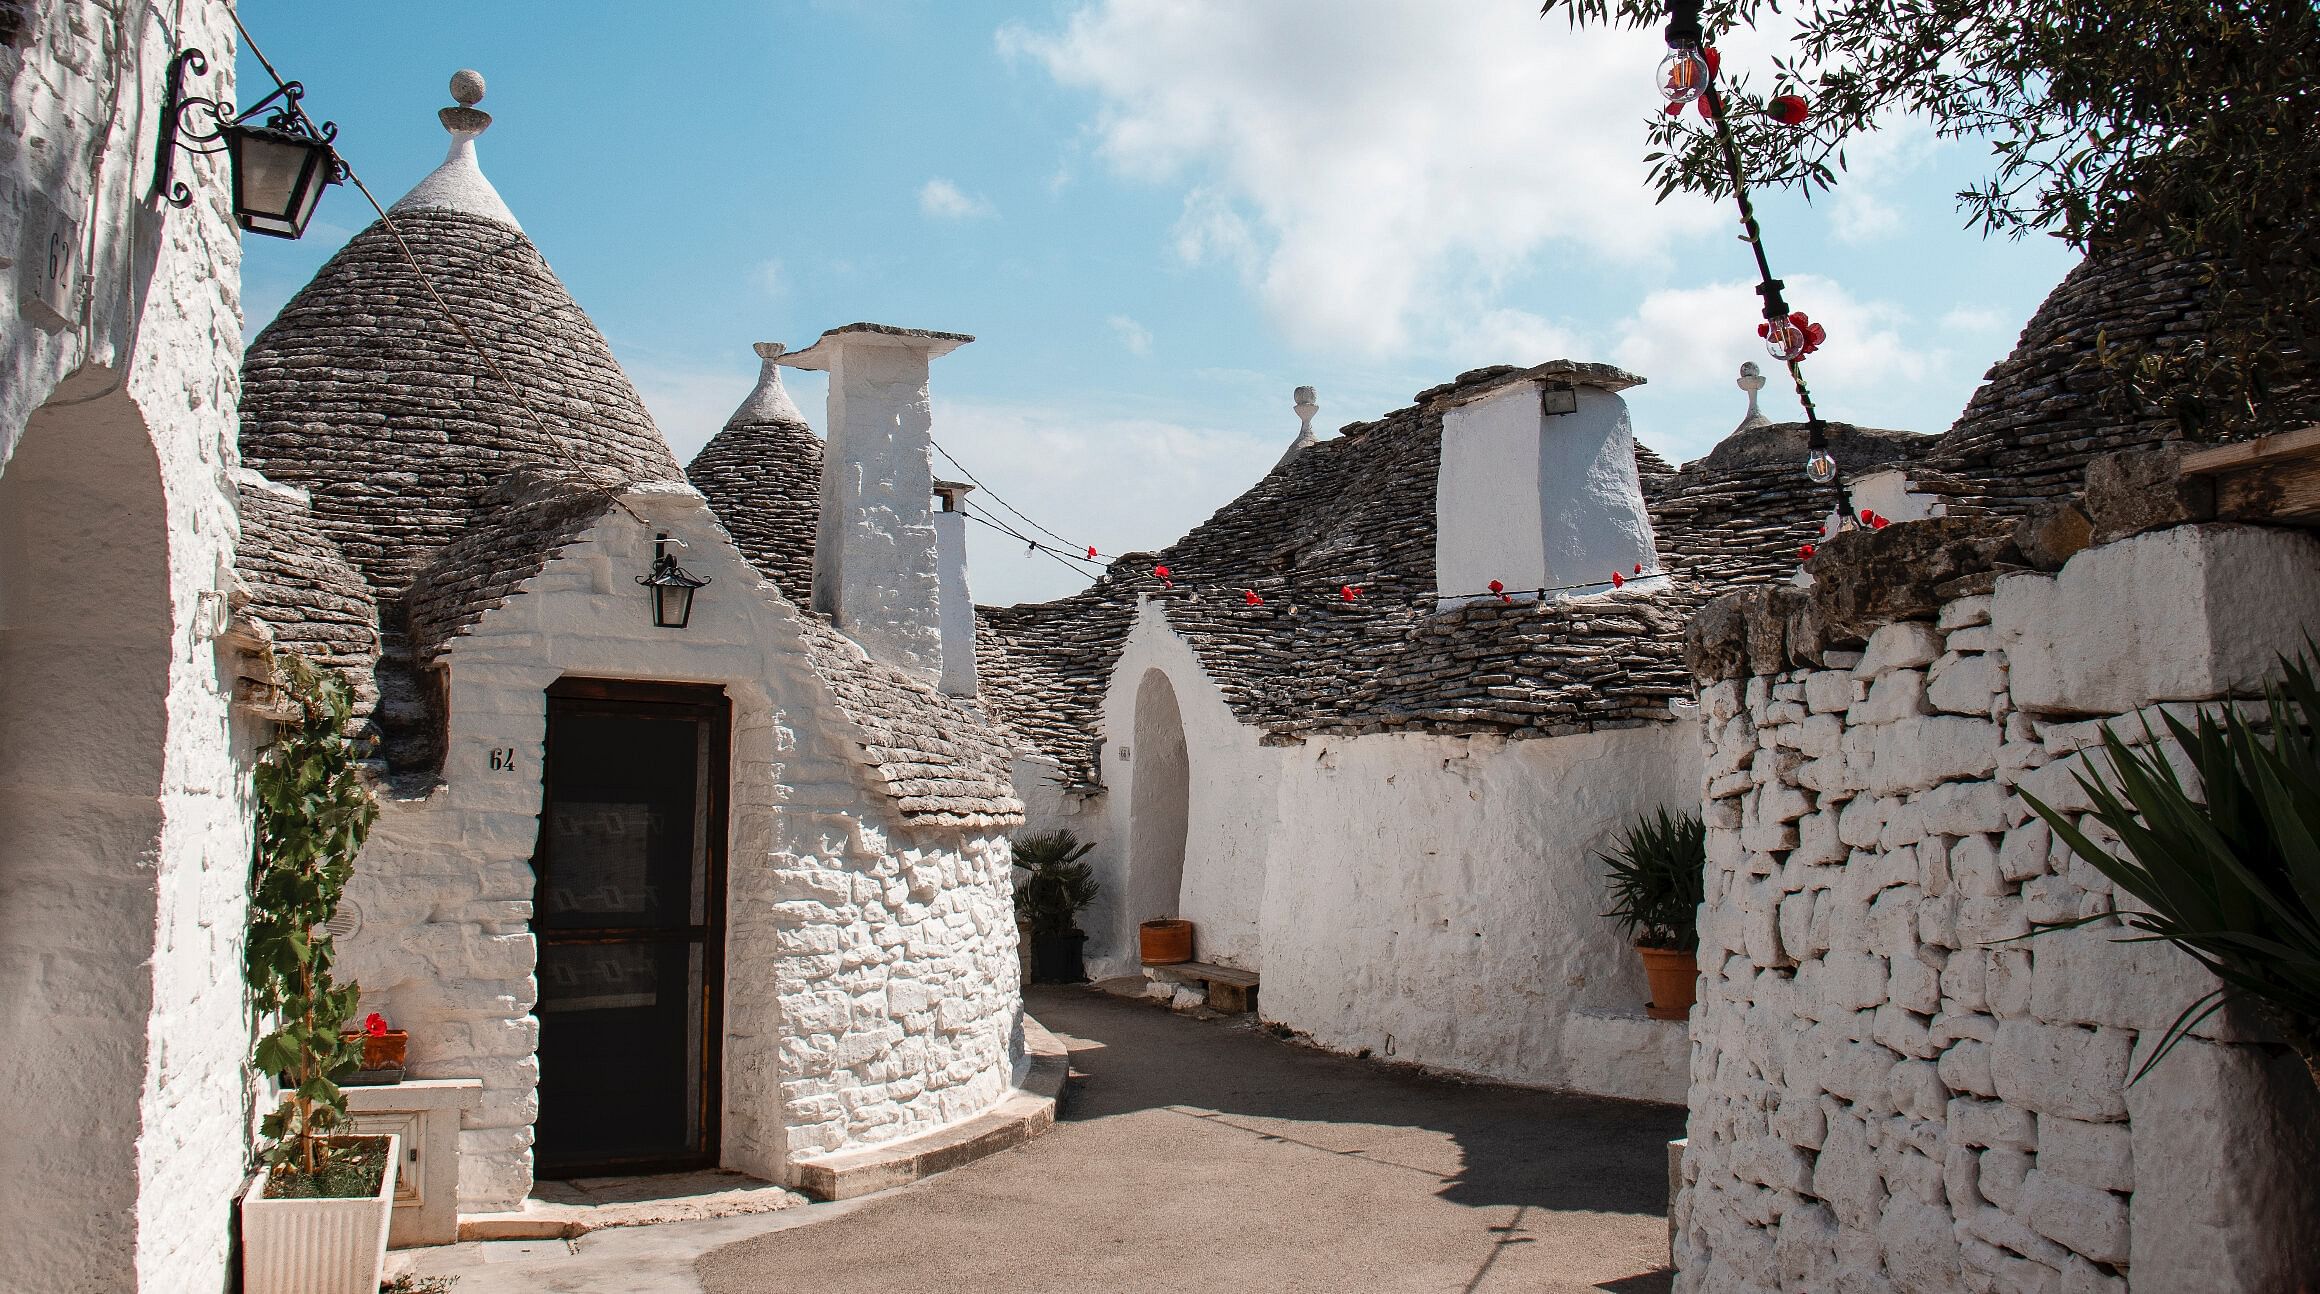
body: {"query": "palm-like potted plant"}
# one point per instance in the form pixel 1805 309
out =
pixel 1658 877
pixel 315 1221
pixel 2233 881
pixel 1048 903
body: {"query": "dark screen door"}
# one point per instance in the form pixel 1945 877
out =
pixel 629 911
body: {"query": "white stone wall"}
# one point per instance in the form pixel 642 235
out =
pixel 124 846
pixel 1890 1090
pixel 871 989
pixel 1433 899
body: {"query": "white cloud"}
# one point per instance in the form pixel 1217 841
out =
pixel 1973 319
pixel 1135 336
pixel 1123 484
pixel 1369 164
pixel 770 277
pixel 1862 207
pixel 939 199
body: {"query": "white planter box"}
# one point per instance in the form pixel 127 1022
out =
pixel 316 1246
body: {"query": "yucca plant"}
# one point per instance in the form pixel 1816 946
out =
pixel 1658 878
pixel 2234 882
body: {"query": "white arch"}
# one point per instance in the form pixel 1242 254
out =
pixel 1160 804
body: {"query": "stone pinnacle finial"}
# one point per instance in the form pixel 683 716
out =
pixel 1751 380
pixel 466 119
pixel 1305 407
pixel 769 403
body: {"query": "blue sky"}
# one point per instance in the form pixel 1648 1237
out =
pixel 1157 217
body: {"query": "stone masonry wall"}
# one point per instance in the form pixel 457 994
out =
pixel 124 823
pixel 1891 1090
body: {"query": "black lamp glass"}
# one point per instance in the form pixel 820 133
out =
pixel 279 176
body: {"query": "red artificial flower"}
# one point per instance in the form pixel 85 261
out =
pixel 1618 580
pixel 1675 110
pixel 1162 572
pixel 1707 106
pixel 1805 553
pixel 1500 590
pixel 1091 552
pixel 1878 523
pixel 1787 109
pixel 1714 60
pixel 1867 516
pixel 1250 596
pixel 375 1025
pixel 1349 592
pixel 1639 568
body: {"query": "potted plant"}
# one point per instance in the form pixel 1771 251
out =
pixel 1658 878
pixel 315 1220
pixel 1049 900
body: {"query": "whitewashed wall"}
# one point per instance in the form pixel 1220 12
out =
pixel 124 848
pixel 871 987
pixel 1433 899
pixel 1888 1093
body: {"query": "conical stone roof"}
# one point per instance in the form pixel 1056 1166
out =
pixel 365 393
pixel 762 476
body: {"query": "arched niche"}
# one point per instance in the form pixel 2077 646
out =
pixel 1160 804
pixel 85 651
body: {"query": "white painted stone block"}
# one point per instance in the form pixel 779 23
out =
pixel 1908 644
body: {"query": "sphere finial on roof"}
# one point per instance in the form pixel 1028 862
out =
pixel 1307 405
pixel 466 120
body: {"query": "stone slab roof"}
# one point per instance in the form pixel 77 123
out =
pixel 942 763
pixel 1360 510
pixel 764 479
pixel 303 589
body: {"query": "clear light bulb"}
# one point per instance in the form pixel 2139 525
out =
pixel 1820 467
pixel 1683 74
pixel 1785 341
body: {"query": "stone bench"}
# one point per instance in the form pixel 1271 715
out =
pixel 1229 990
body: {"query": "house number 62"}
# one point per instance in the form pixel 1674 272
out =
pixel 503 759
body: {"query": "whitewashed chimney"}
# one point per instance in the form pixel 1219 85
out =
pixel 1538 486
pixel 875 569
pixel 956 604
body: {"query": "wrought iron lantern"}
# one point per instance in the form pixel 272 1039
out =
pixel 670 585
pixel 280 165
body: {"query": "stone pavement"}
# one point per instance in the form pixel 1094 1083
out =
pixel 1199 1156
pixel 1193 1155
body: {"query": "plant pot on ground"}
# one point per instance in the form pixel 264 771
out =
pixel 316 1220
pixel 1166 941
pixel 1658 878
pixel 1048 901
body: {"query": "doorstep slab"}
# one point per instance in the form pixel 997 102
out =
pixel 1026 1112
pixel 569 1210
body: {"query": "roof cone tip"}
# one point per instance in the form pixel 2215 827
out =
pixel 769 402
pixel 466 119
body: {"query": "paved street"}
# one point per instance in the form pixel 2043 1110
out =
pixel 1199 1156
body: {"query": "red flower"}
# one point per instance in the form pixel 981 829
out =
pixel 1787 109
pixel 1250 596
pixel 1162 572
pixel 1349 592
pixel 1500 590
pixel 1618 580
pixel 1867 516
pixel 375 1025
pixel 1639 568
pixel 1091 552
pixel 1715 61
pixel 1878 523
pixel 1707 106
pixel 1805 553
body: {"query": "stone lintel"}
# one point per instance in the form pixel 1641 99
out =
pixel 817 357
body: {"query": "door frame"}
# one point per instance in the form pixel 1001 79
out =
pixel 709 704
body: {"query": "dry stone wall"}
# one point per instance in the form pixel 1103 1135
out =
pixel 1892 1088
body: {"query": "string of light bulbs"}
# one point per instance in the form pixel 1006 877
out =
pixel 1688 75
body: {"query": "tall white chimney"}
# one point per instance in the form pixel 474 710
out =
pixel 956 605
pixel 1538 487
pixel 875 571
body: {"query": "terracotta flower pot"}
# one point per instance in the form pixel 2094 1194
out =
pixel 1165 942
pixel 1674 977
pixel 384 1050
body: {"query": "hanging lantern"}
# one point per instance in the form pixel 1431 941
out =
pixel 280 165
pixel 670 586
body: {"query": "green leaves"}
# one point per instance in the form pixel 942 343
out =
pixel 1059 886
pixel 313 814
pixel 2234 881
pixel 1658 879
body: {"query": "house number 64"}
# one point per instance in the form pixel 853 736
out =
pixel 503 759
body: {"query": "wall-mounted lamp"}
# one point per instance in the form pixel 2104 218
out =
pixel 280 167
pixel 670 585
pixel 1558 397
